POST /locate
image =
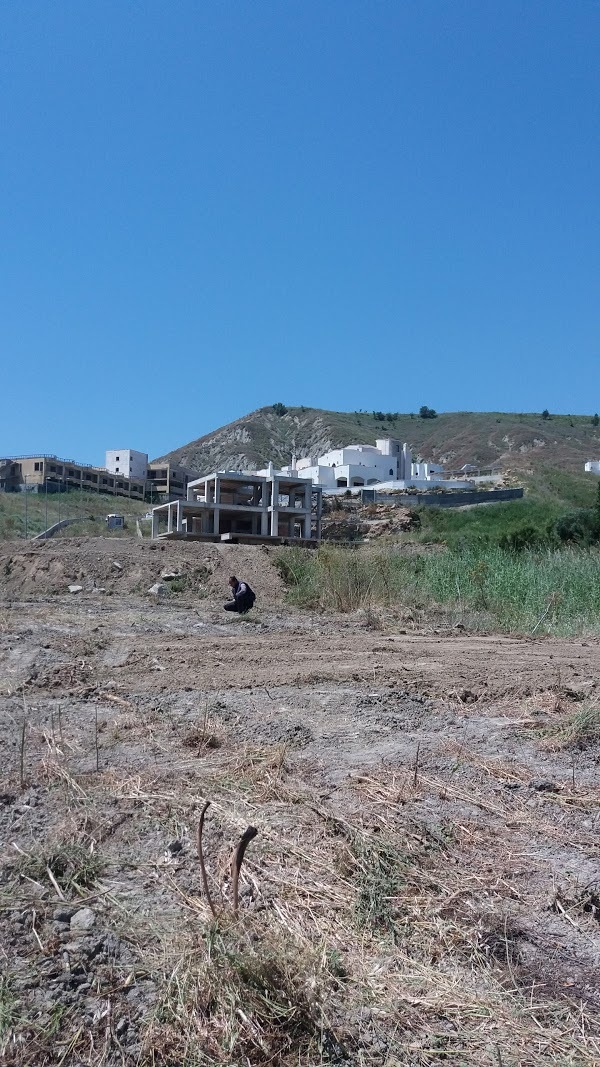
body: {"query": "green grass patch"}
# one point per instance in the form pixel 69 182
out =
pixel 481 586
pixel 72 866
pixel 27 514
pixel 486 524
pixel 579 730
pixel 379 877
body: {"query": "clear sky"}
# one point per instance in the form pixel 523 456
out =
pixel 210 206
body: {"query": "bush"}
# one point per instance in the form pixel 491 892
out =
pixel 280 409
pixel 581 527
pixel 522 538
pixel 427 413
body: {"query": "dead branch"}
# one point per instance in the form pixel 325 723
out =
pixel 238 859
pixel 201 858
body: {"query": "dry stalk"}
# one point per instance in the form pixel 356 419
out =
pixel 238 859
pixel 96 737
pixel 201 858
pixel 416 771
pixel 22 755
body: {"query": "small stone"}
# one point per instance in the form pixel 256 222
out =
pixel 116 566
pixel 82 920
pixel 170 576
pixel 158 589
pixel 75 588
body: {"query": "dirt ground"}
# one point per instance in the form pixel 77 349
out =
pixel 424 886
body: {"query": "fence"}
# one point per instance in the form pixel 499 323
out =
pixel 460 498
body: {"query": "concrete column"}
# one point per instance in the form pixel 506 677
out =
pixel 307 506
pixel 179 517
pixel 169 519
pixel 154 524
pixel 216 512
pixel 264 515
pixel 275 507
pixel 319 508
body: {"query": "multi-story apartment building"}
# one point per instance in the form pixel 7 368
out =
pixel 166 482
pixel 51 474
pixel 127 476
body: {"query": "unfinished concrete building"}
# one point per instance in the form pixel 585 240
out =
pixel 166 482
pixel 46 473
pixel 234 506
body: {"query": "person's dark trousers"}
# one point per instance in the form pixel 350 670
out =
pixel 241 605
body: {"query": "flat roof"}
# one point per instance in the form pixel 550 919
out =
pixel 250 479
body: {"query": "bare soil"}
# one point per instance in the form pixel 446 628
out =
pixel 426 856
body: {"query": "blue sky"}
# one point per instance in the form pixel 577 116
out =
pixel 207 207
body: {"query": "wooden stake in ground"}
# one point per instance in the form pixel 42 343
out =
pixel 96 737
pixel 201 858
pixel 22 755
pixel 238 859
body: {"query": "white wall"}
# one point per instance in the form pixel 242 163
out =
pixel 128 462
pixel 593 466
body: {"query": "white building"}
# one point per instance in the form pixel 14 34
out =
pixel 388 461
pixel 128 462
pixel 593 466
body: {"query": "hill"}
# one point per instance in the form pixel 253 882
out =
pixel 523 443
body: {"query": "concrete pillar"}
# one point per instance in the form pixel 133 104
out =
pixel 179 517
pixel 307 507
pixel 154 524
pixel 274 505
pixel 319 509
pixel 216 512
pixel 169 519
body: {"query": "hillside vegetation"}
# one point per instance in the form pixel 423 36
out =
pixel 31 513
pixel 521 443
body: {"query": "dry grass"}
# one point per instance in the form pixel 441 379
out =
pixel 380 933
pixel 388 930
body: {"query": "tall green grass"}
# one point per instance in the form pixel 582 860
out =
pixel 482 587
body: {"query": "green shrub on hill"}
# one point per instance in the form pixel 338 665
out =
pixel 581 527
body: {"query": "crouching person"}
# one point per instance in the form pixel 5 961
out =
pixel 243 597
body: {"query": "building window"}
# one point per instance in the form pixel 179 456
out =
pixel 105 481
pixel 38 466
pixel 117 470
pixel 391 471
pixel 53 470
pixel 117 458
